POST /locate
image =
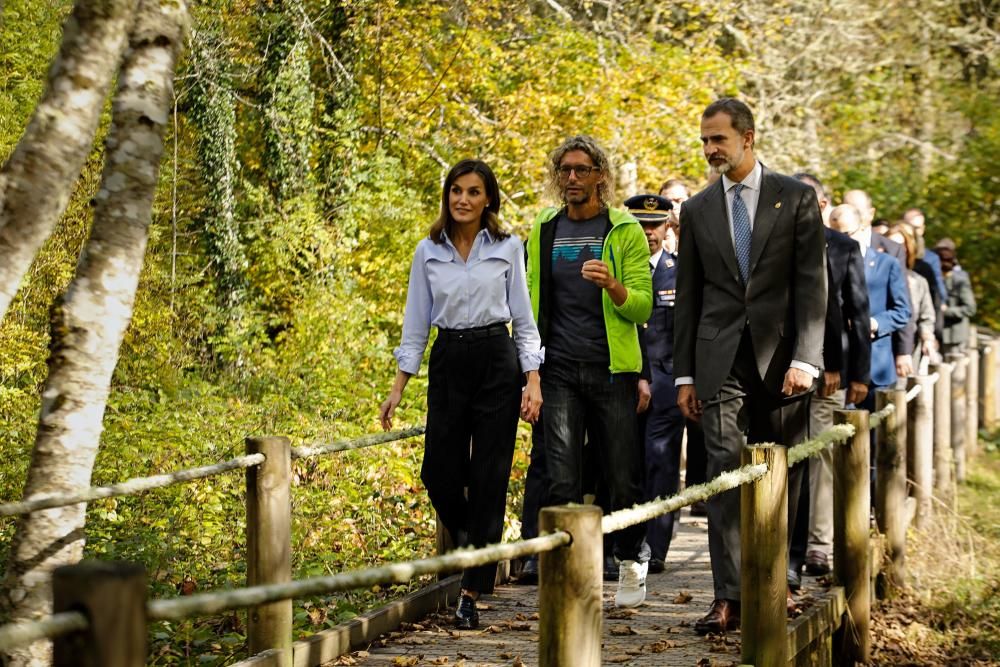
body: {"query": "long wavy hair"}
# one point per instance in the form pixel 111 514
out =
pixel 587 144
pixel 909 241
pixel 490 219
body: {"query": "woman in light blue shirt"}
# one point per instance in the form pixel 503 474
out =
pixel 468 280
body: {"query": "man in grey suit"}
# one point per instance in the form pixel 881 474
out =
pixel 749 321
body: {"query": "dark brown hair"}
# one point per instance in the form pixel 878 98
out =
pixel 671 182
pixel 490 220
pixel 739 114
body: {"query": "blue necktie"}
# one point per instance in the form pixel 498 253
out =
pixel 741 232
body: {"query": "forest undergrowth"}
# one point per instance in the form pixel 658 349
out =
pixel 950 613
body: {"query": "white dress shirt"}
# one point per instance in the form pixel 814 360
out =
pixel 446 292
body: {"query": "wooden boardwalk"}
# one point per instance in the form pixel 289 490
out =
pixel 658 634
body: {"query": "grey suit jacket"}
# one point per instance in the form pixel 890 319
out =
pixel 784 302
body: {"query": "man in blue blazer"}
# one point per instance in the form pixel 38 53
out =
pixel 888 299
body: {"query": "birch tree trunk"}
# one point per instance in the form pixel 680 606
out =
pixel 37 179
pixel 89 321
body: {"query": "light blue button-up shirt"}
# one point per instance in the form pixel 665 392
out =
pixel 449 293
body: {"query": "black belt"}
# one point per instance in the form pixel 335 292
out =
pixel 475 333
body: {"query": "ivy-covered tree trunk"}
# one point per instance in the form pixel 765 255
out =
pixel 37 180
pixel 89 321
pixel 213 110
pixel 290 120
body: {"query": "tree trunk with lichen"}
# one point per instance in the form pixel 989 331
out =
pixel 89 321
pixel 37 180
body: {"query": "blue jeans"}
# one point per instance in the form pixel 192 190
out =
pixel 581 398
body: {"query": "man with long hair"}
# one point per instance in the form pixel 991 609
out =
pixel 588 276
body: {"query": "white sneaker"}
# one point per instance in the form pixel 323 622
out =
pixel 631 584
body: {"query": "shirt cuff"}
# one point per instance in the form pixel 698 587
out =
pixel 808 368
pixel 531 361
pixel 408 362
pixel 687 379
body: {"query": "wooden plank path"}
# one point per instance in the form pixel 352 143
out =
pixel 660 633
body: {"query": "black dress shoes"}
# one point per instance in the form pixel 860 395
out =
pixel 794 579
pixel 529 571
pixel 656 566
pixel 466 616
pixel 722 617
pixel 817 564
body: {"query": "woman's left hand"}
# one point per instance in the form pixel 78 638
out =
pixel 531 398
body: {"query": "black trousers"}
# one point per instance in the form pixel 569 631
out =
pixel 696 459
pixel 582 398
pixel 473 401
pixel 663 430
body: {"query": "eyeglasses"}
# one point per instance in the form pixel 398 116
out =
pixel 582 171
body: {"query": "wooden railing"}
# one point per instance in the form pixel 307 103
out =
pixel 925 434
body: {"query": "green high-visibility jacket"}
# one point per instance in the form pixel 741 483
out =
pixel 626 252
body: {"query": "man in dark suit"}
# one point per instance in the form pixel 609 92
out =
pixel 846 374
pixel 748 328
pixel 903 341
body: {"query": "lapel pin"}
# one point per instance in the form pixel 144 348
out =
pixel 778 205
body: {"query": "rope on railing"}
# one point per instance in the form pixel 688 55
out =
pixel 137 485
pixel 128 487
pixel 27 632
pixel 396 573
pixel 729 480
pixel 875 418
pixel 835 435
pixel 365 441
pixel 636 514
pixel 913 393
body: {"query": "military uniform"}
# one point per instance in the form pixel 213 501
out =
pixel 663 424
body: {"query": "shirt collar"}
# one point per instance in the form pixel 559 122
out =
pixel 483 234
pixel 654 259
pixel 866 240
pixel 751 181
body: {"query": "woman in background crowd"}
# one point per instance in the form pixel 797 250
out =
pixel 925 346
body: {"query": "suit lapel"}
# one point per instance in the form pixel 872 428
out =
pixel 768 209
pixel 718 219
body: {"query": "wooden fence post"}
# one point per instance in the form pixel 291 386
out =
pixel 920 448
pixel 988 385
pixel 972 396
pixel 959 374
pixel 995 346
pixel 942 433
pixel 764 558
pixel 269 544
pixel 113 597
pixel 569 589
pixel 890 488
pixel 851 562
